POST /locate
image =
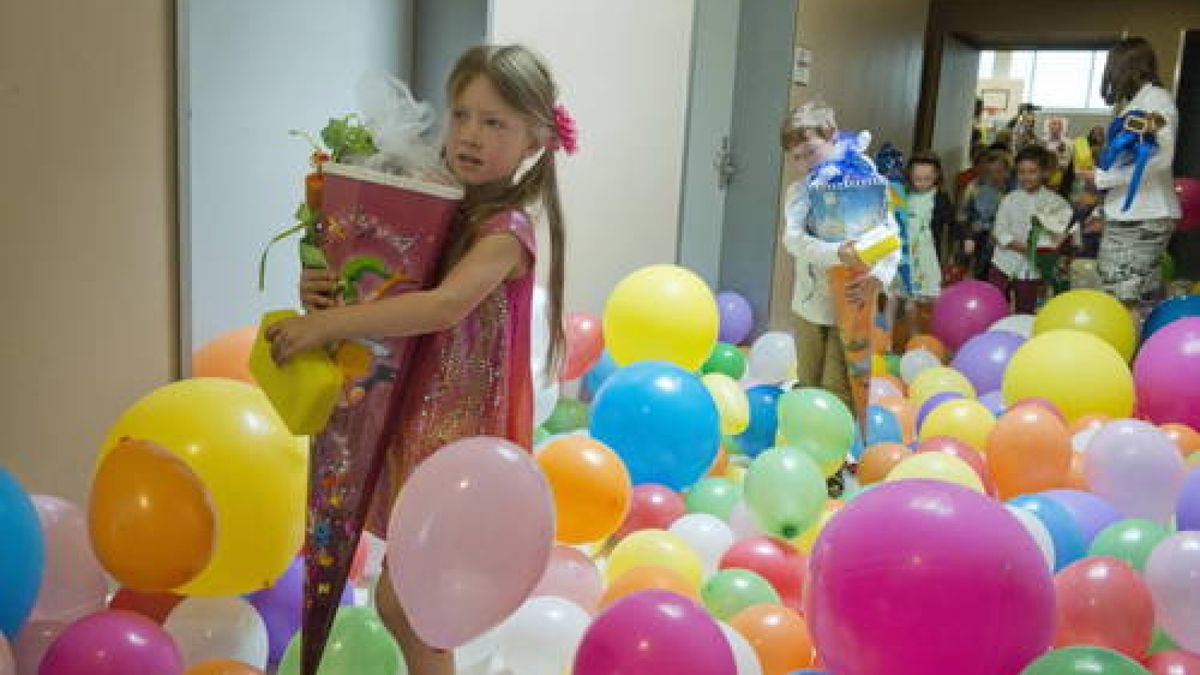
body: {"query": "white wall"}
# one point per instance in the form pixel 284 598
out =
pixel 955 107
pixel 622 66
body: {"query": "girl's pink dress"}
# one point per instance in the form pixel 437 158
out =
pixel 473 379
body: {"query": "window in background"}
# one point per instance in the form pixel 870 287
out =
pixel 1058 79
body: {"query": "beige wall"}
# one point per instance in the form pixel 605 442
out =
pixel 866 63
pixel 86 209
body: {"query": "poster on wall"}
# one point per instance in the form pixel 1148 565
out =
pixel 801 66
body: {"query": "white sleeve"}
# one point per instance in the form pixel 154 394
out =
pixel 1005 230
pixel 796 238
pixel 1163 158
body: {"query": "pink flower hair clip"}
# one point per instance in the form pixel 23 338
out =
pixel 566 137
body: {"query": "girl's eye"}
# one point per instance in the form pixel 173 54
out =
pixel 495 123
pixel 458 115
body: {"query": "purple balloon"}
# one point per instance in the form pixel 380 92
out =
pixel 962 573
pixel 1166 371
pixel 965 310
pixel 651 633
pixel 984 358
pixel 1187 513
pixel 1090 512
pixel 113 643
pixel 281 607
pixel 737 319
pixel 994 402
pixel 931 403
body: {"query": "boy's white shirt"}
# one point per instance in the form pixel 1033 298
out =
pixel 1015 217
pixel 1156 196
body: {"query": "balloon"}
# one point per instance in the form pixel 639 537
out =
pixel 928 343
pixel 152 521
pixel 1184 437
pixel 1134 467
pixel 1028 451
pixel 1174 663
pixel 938 380
pixel 545 399
pixel 932 404
pixel 743 653
pixel 542 636
pixel 1084 661
pixel 471 499
pixel 225 431
pixel 590 486
pixel 994 402
pixel 744 523
pixel 212 628
pixel 359 643
pixel 154 605
pixel 737 319
pixel 652 507
pixel 714 496
pixel 983 359
pixel 731 590
pixel 478 656
pixel 597 376
pixel 805 541
pixel 661 313
pixel 764 420
pixel 280 607
pixel 1187 509
pixel 1166 371
pixel 1085 428
pixel 1169 311
pixel 959 450
pixel 965 419
pixel 223 667
pixel 73 584
pixel 584 340
pixel 772 358
pixel 707 535
pixel 1021 324
pixel 1037 531
pixel 32 643
pixel 879 460
pixel 1065 532
pixel 651 633
pixel 1090 311
pixel 1188 190
pixel 778 635
pixel 648 577
pixel 1090 512
pixel 966 309
pixel 904 412
pixel 568 415
pixel 817 422
pixel 1130 540
pixel 725 359
pixel 936 466
pixel 915 362
pixel 227 355
pixel 112 643
pixel 573 576
pixel 661 421
pixel 785 490
pixel 961 572
pixel 882 426
pixel 733 407
pixel 22 565
pixel 884 386
pixel 1173 575
pixel 659 548
pixel 1078 372
pixel 773 560
pixel 1103 602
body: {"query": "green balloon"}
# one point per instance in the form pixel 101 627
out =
pixel 1161 642
pixel 1084 661
pixel 714 496
pixel 568 415
pixel 785 490
pixel 730 591
pixel 893 364
pixel 817 422
pixel 725 358
pixel 540 435
pixel 1130 540
pixel 359 643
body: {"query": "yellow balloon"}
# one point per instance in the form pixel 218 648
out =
pixel 661 313
pixel 937 466
pixel 1078 372
pixel 938 380
pixel 732 405
pixel 254 469
pixel 879 365
pixel 966 419
pixel 805 541
pixel 1090 311
pixel 655 547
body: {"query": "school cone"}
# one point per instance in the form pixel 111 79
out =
pixel 855 322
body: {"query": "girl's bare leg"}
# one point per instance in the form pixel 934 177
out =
pixel 421 658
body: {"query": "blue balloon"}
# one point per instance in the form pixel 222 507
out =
pixel 662 422
pixel 764 420
pixel 1179 307
pixel 1069 542
pixel 596 376
pixel 858 447
pixel 882 426
pixel 22 555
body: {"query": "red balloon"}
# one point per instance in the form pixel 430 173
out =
pixel 153 605
pixel 1103 602
pixel 955 447
pixel 1174 663
pixel 584 343
pixel 653 506
pixel 774 560
pixel 1188 190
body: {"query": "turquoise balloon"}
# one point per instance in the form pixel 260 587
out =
pixel 730 591
pixel 817 422
pixel 785 490
pixel 1084 661
pixel 22 555
pixel 714 496
pixel 359 643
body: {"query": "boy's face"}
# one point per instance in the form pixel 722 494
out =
pixel 808 153
pixel 923 177
pixel 995 173
pixel 1030 175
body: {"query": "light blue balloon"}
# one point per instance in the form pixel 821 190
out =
pixel 595 377
pixel 1069 542
pixel 764 420
pixel 22 555
pixel 882 427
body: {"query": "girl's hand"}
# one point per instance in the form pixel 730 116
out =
pixel 969 246
pixel 856 290
pixel 298 334
pixel 849 257
pixel 318 288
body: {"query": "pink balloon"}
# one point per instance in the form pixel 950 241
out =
pixel 881 388
pixel 934 560
pixel 7 666
pixel 1135 466
pixel 73 583
pixel 113 643
pixel 584 339
pixel 965 310
pixel 31 644
pixel 654 633
pixel 1166 371
pixel 1103 602
pixel 469 538
pixel 571 575
pixel 653 507
pixel 774 560
pixel 1174 663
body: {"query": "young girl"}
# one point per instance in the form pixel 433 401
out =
pixel 977 211
pixel 472 373
pixel 932 236
pixel 1030 214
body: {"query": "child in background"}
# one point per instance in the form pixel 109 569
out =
pixel 932 239
pixel 977 211
pixel 1030 215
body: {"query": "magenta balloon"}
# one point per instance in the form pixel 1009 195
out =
pixel 965 310
pixel 929 559
pixel 469 538
pixel 571 575
pixel 113 643
pixel 73 584
pixel 1166 371
pixel 654 633
pixel 984 358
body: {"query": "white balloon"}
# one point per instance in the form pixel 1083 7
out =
pixel 772 358
pixel 476 656
pixel 218 628
pixel 743 654
pixel 743 523
pixel 1037 530
pixel 708 535
pixel 915 361
pixel 542 636
pixel 545 397
pixel 1021 324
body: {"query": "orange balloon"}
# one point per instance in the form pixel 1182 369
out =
pixel 227 355
pixel 778 635
pixel 1075 478
pixel 151 521
pixel 646 578
pixel 1088 422
pixel 222 667
pixel 591 488
pixel 721 464
pixel 928 343
pixel 879 460
pixel 904 412
pixel 1184 437
pixel 1029 450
